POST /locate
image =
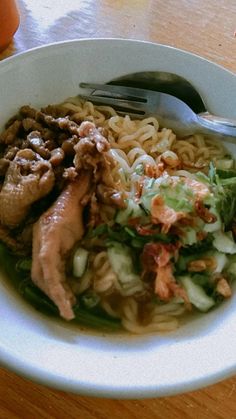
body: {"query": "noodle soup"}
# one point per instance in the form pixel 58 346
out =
pixel 113 221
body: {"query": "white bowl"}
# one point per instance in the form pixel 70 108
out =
pixel 56 354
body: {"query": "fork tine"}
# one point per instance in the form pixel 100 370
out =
pixel 125 92
pixel 116 103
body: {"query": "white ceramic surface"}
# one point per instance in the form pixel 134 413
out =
pixel 118 366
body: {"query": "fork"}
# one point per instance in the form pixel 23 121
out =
pixel 170 111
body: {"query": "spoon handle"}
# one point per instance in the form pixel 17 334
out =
pixel 218 124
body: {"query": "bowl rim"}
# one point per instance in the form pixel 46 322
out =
pixel 72 41
pixel 55 381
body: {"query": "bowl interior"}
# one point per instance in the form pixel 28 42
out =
pixel 65 356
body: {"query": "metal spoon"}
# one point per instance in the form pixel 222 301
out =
pixel 179 87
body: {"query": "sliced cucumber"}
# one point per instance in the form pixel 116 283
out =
pixel 224 242
pixel 177 198
pixel 133 210
pixel 231 270
pixel 146 201
pixel 190 236
pixel 196 294
pixel 80 262
pixel 212 227
pixel 221 261
pixel 121 261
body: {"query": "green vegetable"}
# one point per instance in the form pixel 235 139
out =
pixel 226 174
pixel 221 260
pixel 83 315
pixel 129 235
pixel 121 261
pixel 80 261
pixel 133 210
pixel 217 225
pixel 139 169
pixel 226 202
pixel 8 265
pixel 201 177
pixel 202 279
pixel 37 298
pixel 224 187
pixel 196 294
pixel 41 302
pixel 177 197
pixel 24 264
pixel 183 261
pixel 231 268
pixel 100 230
pixel 146 200
pixel 90 299
pixel 96 320
pixel 190 236
pixel 224 242
pixel 198 248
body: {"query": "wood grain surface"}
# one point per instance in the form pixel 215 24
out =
pixel 207 28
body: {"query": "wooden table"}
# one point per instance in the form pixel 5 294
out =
pixel 203 27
